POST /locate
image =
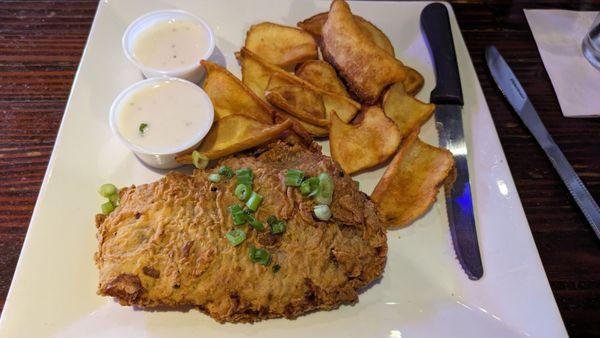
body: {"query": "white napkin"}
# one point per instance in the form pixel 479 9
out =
pixel 558 35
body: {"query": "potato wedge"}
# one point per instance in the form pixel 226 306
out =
pixel 259 76
pixel 366 144
pixel 299 102
pixel 344 107
pixel 320 74
pixel 281 45
pixel 256 73
pixel 406 111
pixel 230 96
pixel 314 26
pixel 235 133
pixel 366 68
pixel 411 182
pixel 413 83
pixel 315 131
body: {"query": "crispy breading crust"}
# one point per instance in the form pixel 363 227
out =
pixel 165 245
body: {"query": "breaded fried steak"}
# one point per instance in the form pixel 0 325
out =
pixel 166 245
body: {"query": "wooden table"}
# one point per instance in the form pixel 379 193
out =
pixel 41 43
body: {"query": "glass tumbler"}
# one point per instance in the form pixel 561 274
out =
pixel 591 44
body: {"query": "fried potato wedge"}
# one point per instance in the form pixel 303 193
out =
pixel 406 111
pixel 281 45
pixel 305 101
pixel 235 133
pixel 230 96
pixel 314 26
pixel 315 131
pixel 366 68
pixel 256 73
pixel 366 144
pixel 320 74
pixel 413 83
pixel 411 182
pixel 259 75
pixel 300 102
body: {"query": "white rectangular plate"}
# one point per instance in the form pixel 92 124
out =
pixel 423 293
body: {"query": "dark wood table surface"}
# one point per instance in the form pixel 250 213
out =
pixel 41 43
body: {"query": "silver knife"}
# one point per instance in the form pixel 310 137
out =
pixel 448 99
pixel 516 96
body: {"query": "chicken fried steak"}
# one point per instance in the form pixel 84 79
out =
pixel 165 245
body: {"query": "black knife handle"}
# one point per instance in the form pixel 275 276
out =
pixel 436 26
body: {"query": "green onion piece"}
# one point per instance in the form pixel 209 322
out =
pixel 107 208
pixel 114 199
pixel 214 177
pixel 325 193
pixel 237 214
pixel 200 161
pixel 244 176
pixel 254 201
pixel 256 224
pixel 226 171
pixel 277 227
pixel 260 256
pixel 322 212
pixel 239 219
pixel 143 127
pixel 234 208
pixel 276 268
pixel 272 220
pixel 106 190
pixel 309 187
pixel 236 236
pixel 243 191
pixel 293 177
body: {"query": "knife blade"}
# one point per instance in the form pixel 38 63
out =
pixel 447 96
pixel 513 91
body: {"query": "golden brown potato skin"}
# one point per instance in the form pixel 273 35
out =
pixel 367 68
pixel 165 244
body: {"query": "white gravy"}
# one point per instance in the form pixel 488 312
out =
pixel 163 116
pixel 170 45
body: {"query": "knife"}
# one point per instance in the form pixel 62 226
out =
pixel 448 99
pixel 516 96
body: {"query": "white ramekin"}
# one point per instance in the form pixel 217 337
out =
pixel 164 159
pixel 193 72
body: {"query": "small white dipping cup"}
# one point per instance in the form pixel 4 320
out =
pixel 162 159
pixel 193 72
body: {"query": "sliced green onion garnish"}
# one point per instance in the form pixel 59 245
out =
pixel 325 193
pixel 272 219
pixel 260 256
pixel 214 177
pixel 107 208
pixel 293 177
pixel 309 187
pixel 114 199
pixel 234 208
pixel 322 212
pixel 277 227
pixel 226 172
pixel 236 237
pixel 106 190
pixel 254 201
pixel 256 224
pixel 200 161
pixel 237 214
pixel 244 176
pixel 142 127
pixel 243 191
